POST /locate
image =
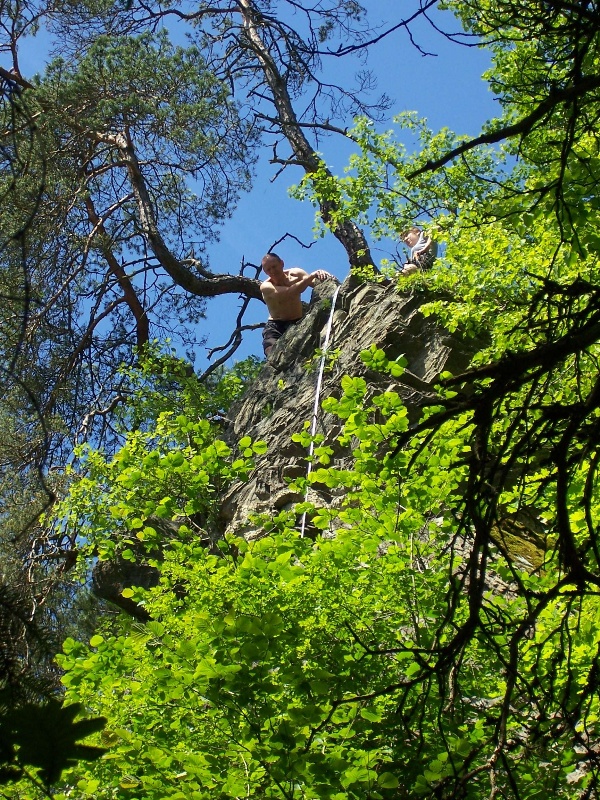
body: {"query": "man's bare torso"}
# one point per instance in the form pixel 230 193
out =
pixel 282 303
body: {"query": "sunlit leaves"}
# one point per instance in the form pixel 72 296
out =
pixel 172 471
pixel 405 644
pixel 293 656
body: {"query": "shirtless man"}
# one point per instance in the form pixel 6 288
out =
pixel 281 292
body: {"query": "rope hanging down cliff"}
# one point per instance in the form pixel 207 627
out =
pixel 313 428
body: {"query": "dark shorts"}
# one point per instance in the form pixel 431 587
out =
pixel 274 330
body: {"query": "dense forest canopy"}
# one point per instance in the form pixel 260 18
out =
pixel 411 654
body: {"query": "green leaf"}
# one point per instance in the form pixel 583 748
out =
pixel 387 780
pixel 156 628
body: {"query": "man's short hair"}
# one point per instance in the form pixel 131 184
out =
pixel 271 255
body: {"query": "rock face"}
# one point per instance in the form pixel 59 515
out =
pixel 282 397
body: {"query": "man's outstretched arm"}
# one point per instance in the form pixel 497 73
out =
pixel 298 283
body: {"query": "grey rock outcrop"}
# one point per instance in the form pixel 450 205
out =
pixel 281 399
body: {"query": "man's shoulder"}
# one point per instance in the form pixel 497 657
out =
pixel 296 272
pixel 267 286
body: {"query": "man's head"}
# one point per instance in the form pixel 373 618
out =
pixel 272 264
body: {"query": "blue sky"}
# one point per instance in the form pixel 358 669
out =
pixel 446 88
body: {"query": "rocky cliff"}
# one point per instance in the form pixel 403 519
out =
pixel 281 399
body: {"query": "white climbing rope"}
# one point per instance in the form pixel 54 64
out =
pixel 315 416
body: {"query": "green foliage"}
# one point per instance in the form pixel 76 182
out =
pixel 333 668
pixel 169 470
pixel 173 472
pixel 331 356
pixel 406 651
pixel 162 382
pixel 270 647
